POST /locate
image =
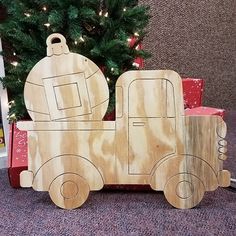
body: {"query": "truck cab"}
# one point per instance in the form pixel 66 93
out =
pixel 149 111
pixel 162 144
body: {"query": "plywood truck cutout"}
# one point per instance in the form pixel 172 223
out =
pixel 72 151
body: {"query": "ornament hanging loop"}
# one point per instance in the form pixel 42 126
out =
pixel 56 48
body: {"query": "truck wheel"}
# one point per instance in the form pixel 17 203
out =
pixel 184 191
pixel 69 191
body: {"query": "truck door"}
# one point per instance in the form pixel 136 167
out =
pixel 152 132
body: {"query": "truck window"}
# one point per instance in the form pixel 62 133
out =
pixel 151 98
pixel 147 98
pixel 119 102
pixel 170 101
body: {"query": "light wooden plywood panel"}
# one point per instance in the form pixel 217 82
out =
pixel 150 139
pixel 160 135
pixel 141 92
pixel 150 142
pixel 37 105
pixel 85 148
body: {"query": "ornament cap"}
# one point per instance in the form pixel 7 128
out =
pixel 56 48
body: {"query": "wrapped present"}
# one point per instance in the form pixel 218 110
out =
pixel 192 91
pixel 17 154
pixel 204 111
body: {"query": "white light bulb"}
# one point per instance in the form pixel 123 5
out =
pixel 106 14
pixel 27 14
pixel 100 13
pixel 108 79
pixel 81 39
pixel 14 63
pixel 137 47
pixel 129 39
pixel 11 103
pixel 47 25
pixel 124 9
pixel 76 42
pixel 13 116
pixel 136 34
pixel 112 69
pixel 136 65
pixel 14 54
pixel 44 8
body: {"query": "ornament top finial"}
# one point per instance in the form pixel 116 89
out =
pixel 56 48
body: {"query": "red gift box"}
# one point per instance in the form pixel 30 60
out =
pixel 207 111
pixel 192 91
pixel 17 155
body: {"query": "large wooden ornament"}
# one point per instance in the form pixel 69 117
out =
pixel 65 85
pixel 72 151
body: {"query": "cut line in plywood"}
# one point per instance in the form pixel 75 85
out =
pixel 71 97
pixel 63 100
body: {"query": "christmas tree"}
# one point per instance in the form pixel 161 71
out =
pixel 98 29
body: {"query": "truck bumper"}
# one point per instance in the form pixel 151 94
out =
pixel 26 179
pixel 224 178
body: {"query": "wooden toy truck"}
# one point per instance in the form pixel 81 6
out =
pixel 72 151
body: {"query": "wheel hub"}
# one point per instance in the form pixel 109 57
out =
pixel 184 189
pixel 69 189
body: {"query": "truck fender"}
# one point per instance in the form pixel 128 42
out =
pixel 67 164
pixel 181 164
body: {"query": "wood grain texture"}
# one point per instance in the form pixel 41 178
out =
pixel 151 142
pixel 69 190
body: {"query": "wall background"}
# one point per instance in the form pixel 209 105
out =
pixel 196 38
